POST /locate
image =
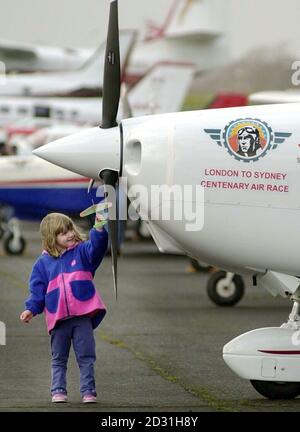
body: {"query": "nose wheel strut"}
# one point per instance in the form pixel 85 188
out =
pixel 13 242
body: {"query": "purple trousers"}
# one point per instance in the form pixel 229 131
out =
pixel 79 331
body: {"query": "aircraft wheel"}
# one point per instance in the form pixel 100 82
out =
pixel 277 390
pixel 13 246
pixel 142 230
pixel 1 232
pixel 223 294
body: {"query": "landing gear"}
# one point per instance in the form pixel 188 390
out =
pixel 142 231
pixel 14 245
pixel 277 390
pixel 13 242
pixel 269 357
pixel 225 289
pixel 198 266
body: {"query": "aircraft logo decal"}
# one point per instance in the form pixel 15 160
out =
pixel 247 139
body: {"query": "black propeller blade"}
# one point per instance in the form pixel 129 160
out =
pixel 110 178
pixel 112 71
pixel 110 104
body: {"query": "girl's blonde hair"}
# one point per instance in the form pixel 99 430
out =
pixel 54 224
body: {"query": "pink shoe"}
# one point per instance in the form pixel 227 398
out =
pixel 59 397
pixel 89 398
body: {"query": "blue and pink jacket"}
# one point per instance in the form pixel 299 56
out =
pixel 63 287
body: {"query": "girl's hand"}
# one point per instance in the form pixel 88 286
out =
pixel 99 218
pixel 26 316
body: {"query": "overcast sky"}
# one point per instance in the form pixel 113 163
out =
pixel 72 22
pixel 83 23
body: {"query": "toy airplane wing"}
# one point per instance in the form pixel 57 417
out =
pixel 95 208
pixel 100 223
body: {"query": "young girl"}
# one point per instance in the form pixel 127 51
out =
pixel 61 286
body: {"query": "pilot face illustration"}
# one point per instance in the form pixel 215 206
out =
pixel 249 140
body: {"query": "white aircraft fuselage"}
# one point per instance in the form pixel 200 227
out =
pixel 163 89
pixel 66 83
pixel 38 84
pixel 251 208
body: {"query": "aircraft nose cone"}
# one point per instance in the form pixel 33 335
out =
pixel 86 152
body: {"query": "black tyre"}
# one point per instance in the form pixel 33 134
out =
pixel 142 230
pixel 277 390
pixel 12 247
pixel 1 232
pixel 220 293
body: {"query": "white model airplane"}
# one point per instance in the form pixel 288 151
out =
pixel 162 89
pixel 25 57
pixel 85 79
pixel 193 31
pixel 246 162
pixel 274 97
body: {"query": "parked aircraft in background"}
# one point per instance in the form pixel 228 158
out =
pixel 242 166
pixel 162 89
pixel 33 187
pixel 22 145
pixel 193 31
pixel 24 57
pixel 80 81
pixel 274 97
pixel 21 129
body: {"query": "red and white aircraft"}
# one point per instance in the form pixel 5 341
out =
pixel 193 31
pixel 162 89
pixel 234 174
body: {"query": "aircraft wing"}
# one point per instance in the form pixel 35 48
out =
pixel 15 51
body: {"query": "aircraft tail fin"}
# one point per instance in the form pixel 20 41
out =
pixel 189 18
pixel 92 70
pixel 163 89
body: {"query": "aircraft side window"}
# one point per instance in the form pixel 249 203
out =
pixel 41 111
pixel 59 114
pixel 4 109
pixel 74 113
pixel 23 110
pixel 26 91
